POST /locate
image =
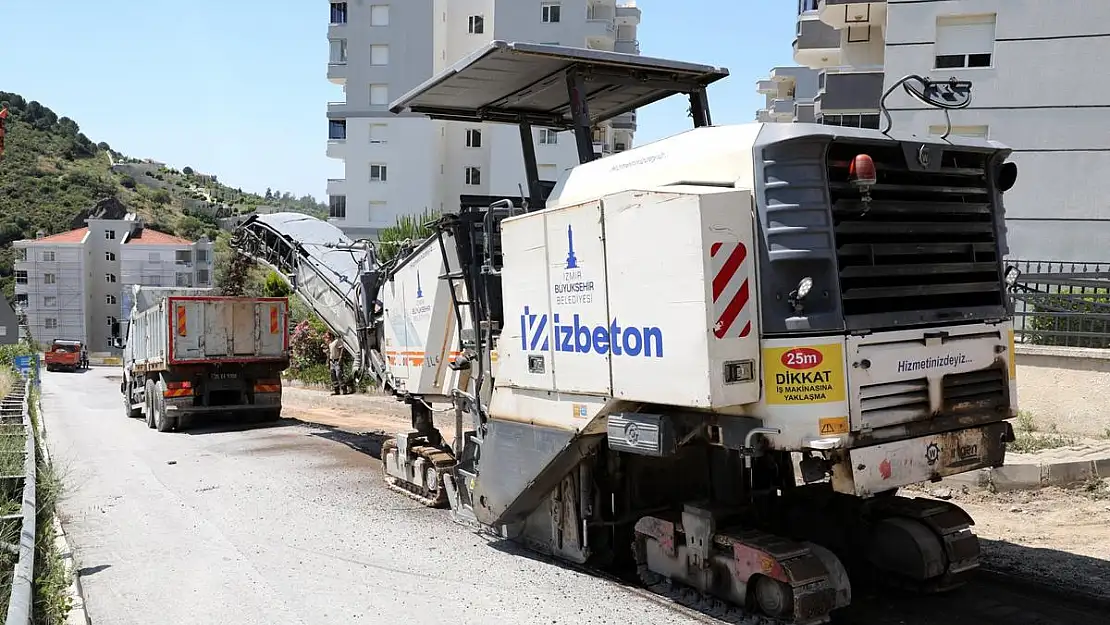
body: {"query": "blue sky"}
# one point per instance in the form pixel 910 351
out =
pixel 238 88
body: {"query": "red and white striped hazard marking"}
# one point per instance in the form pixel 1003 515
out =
pixel 731 292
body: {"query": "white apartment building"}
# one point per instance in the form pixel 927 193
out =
pixel 1030 64
pixel 75 284
pixel 396 165
pixel 789 95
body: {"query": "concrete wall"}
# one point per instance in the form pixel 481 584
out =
pixel 1065 387
pixel 9 324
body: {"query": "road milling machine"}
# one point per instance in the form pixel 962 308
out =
pixel 711 360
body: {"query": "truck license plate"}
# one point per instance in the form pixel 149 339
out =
pixel 224 376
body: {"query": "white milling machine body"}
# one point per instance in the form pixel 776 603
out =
pixel 712 359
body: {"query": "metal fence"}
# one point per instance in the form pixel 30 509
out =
pixel 1062 303
pixel 18 504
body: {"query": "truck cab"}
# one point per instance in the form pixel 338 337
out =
pixel 66 354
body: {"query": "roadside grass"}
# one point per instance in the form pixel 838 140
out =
pixel 51 602
pixel 1029 440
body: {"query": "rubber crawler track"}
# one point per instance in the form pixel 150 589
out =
pixel 442 460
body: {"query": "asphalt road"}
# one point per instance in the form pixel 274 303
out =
pixel 290 523
pixel 279 524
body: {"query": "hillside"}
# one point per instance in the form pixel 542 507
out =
pixel 53 176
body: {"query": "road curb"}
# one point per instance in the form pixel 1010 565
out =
pixel 1029 476
pixel 77 615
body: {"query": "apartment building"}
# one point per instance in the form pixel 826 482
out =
pixel 396 165
pixel 790 95
pixel 75 284
pixel 1026 59
pixel 9 323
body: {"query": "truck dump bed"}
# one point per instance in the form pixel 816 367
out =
pixel 182 330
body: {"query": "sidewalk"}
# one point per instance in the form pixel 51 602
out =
pixel 1063 467
pixel 364 414
pixel 379 415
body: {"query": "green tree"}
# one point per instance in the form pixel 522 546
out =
pixel 188 171
pixel 276 286
pixel 408 228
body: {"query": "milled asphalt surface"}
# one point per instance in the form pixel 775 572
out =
pixel 279 524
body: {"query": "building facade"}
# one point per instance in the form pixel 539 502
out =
pixel 1019 55
pixel 404 164
pixel 9 323
pixel 75 284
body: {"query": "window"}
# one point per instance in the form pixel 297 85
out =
pixel 964 41
pixel 337 130
pixel 109 342
pixel 49 278
pixel 473 176
pixel 110 278
pixel 202 256
pixel 473 138
pixel 50 301
pixel 112 321
pixel 110 299
pixel 851 120
pixel 980 132
pixel 379 95
pixel 548 136
pixel 50 323
pixel 48 257
pixel 3 330
pixel 377 133
pixel 21 277
pixel 184 279
pixel 183 257
pixel 337 206
pixel 338 53
pixel 149 280
pixel 109 235
pixel 477 24
pixel 379 15
pixel 377 207
pixel 20 253
pixel 379 55
pixel 551 13
pixel 110 257
pixel 21 299
pixel 338 12
pixel 202 277
pixel 620 146
pixel 378 172
pixel 154 257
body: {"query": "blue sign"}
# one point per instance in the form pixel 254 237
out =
pixel 576 337
pixel 27 366
pixel 419 291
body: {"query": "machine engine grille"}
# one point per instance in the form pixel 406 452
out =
pixel 892 403
pixel 925 249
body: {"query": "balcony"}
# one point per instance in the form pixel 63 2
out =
pixel 337 186
pixel 627 47
pixel 767 87
pixel 337 73
pixel 841 14
pixel 848 90
pixel 601 23
pixel 817 44
pixel 804 112
pixel 763 116
pixel 628 15
pixel 626 121
pixel 337 110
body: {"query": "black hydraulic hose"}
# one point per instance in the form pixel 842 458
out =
pixel 923 96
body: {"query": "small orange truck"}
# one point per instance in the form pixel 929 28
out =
pixel 65 354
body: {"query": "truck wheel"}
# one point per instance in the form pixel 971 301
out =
pixel 148 410
pixel 162 422
pixel 270 415
pixel 131 412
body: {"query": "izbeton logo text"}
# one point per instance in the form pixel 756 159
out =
pixel 645 341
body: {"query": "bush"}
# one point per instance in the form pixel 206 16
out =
pixel 128 182
pixel 408 228
pixel 276 286
pixel 1068 318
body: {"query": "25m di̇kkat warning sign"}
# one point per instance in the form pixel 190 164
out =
pixel 808 374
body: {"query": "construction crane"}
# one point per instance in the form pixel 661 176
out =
pixel 711 360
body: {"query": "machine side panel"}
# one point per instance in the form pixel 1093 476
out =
pixel 658 334
pixel 523 361
pixel 420 321
pixel 580 320
pixel 731 287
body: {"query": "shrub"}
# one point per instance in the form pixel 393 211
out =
pixel 1071 317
